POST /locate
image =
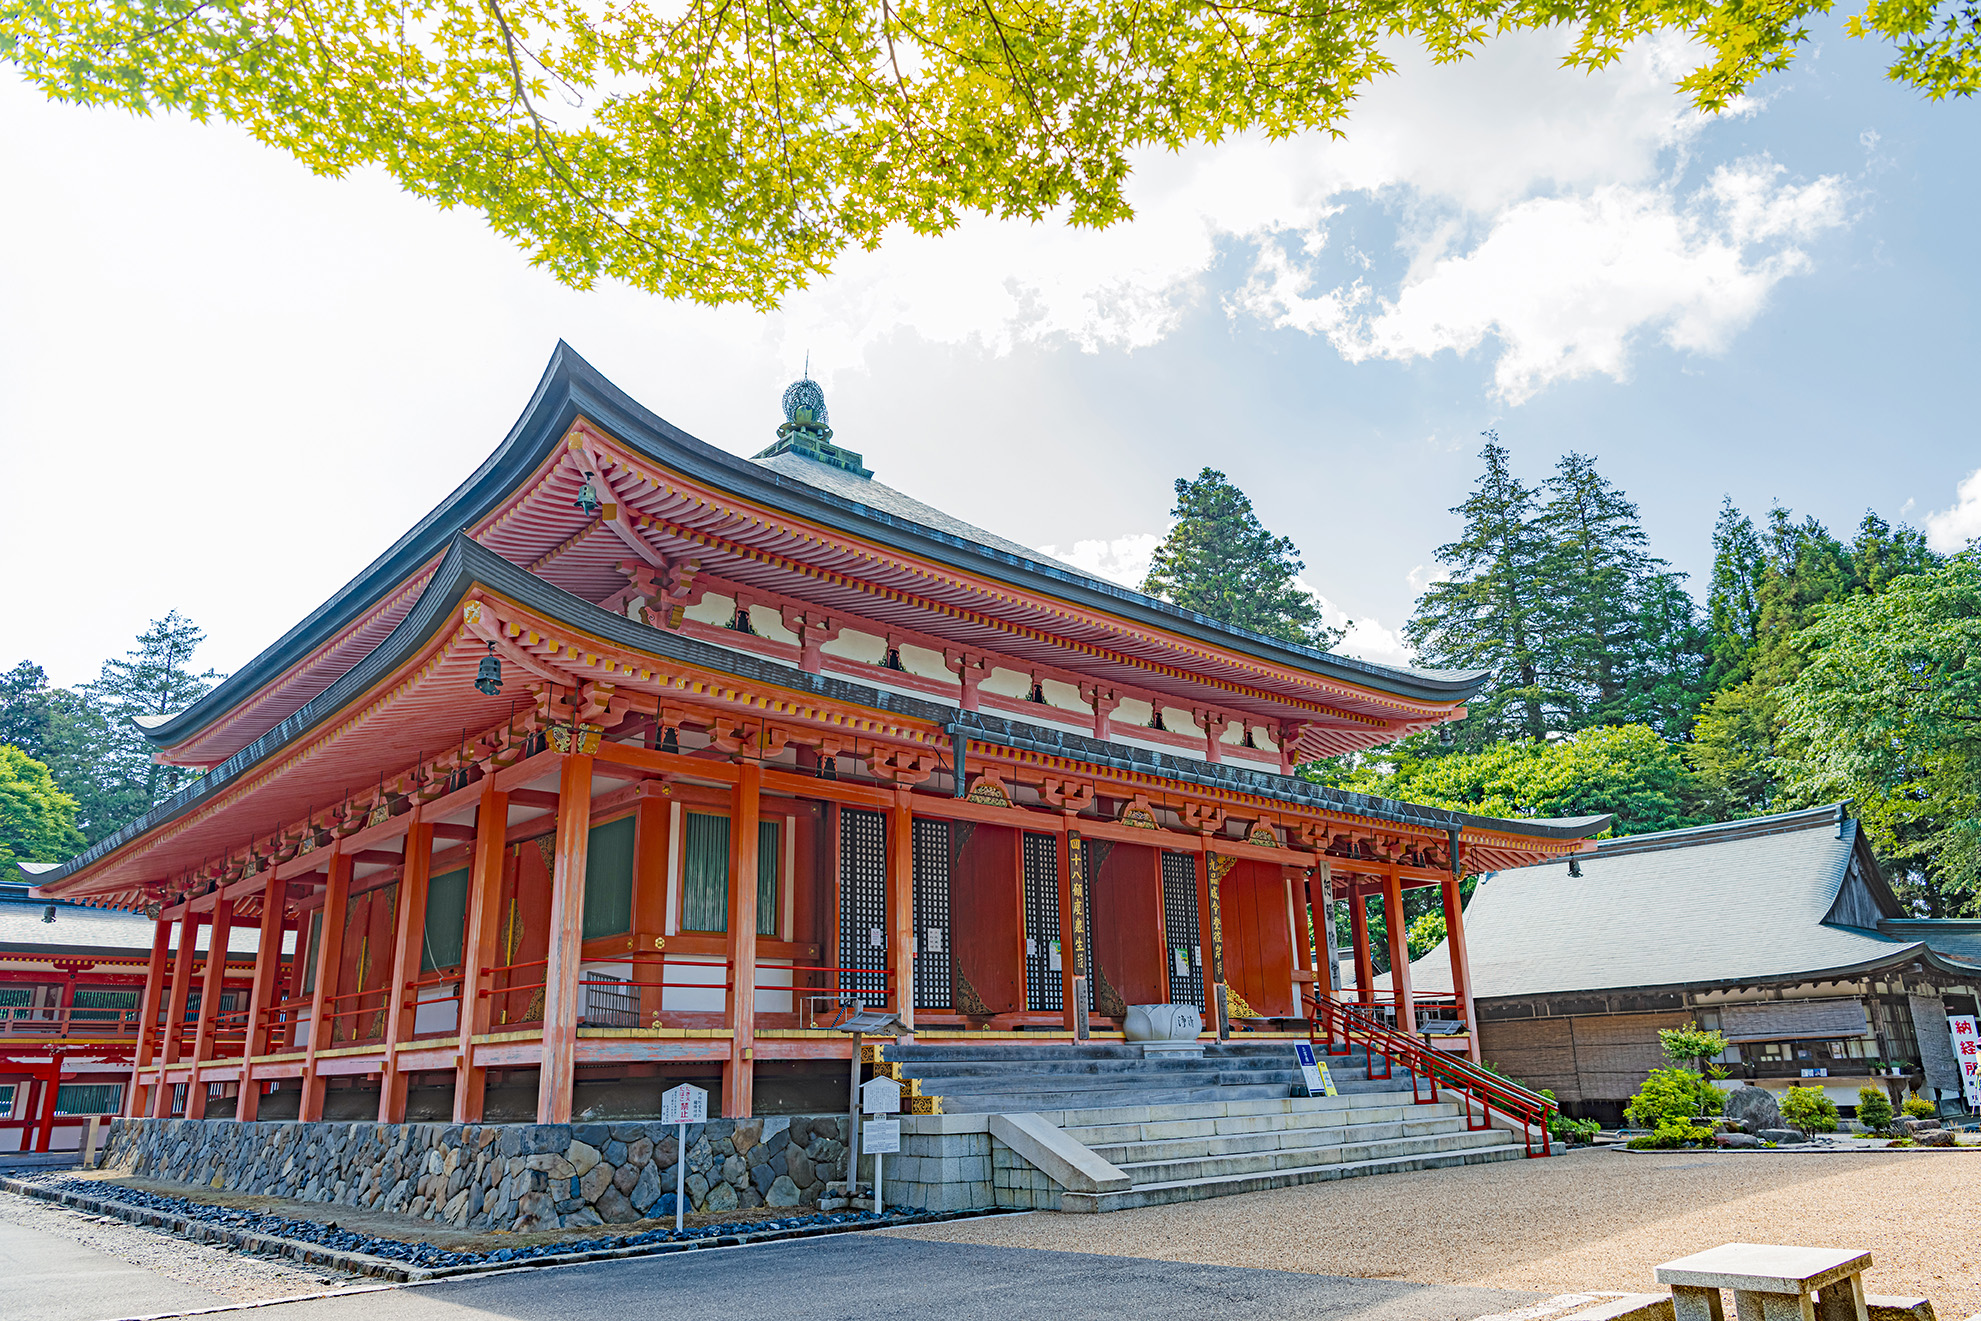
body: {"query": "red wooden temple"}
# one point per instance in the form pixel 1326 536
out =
pixel 637 761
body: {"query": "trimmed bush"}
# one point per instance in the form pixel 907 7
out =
pixel 1673 1096
pixel 1809 1109
pixel 1918 1107
pixel 1874 1109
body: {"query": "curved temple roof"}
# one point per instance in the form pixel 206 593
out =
pixel 469 567
pixel 572 389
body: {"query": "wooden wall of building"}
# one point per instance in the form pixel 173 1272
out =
pixel 1591 1060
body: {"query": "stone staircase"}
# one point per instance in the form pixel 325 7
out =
pixel 1144 1132
pixel 1009 1077
pixel 1182 1153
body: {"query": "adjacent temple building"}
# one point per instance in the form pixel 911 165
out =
pixel 635 762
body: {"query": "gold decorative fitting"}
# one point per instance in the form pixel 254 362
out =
pixel 922 1105
pixel 379 814
pixel 989 790
pixel 584 744
pixel 471 612
pixel 1263 835
pixel 1139 814
pixel 1235 1006
pixel 870 1051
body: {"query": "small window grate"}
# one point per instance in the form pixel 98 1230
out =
pixel 863 902
pixel 1043 988
pixel 611 1001
pixel 932 980
pixel 1179 914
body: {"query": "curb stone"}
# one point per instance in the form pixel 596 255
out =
pixel 363 1263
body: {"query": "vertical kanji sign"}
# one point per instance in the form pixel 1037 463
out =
pixel 1967 1053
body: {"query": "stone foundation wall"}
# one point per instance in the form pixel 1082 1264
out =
pixel 952 1163
pixel 497 1176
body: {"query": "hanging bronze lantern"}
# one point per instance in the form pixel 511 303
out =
pixel 488 675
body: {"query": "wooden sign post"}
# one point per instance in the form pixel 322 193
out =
pixel 880 1096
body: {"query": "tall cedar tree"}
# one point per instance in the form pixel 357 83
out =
pixel 87 737
pixel 1218 560
pixel 1488 615
pixel 1769 586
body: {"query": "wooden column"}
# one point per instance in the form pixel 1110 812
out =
pixel 44 1128
pixel 1305 957
pixel 901 904
pixel 478 941
pixel 561 992
pixel 329 958
pixel 268 962
pixel 1461 964
pixel 1071 988
pixel 147 1044
pixel 175 1009
pixel 408 934
pixel 739 1071
pixel 1399 952
pixel 1213 989
pixel 1358 928
pixel 650 841
pixel 211 988
pixel 1214 942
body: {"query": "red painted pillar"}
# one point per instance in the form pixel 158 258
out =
pixel 1365 962
pixel 739 1091
pixel 212 986
pixel 1461 965
pixel 901 904
pixel 44 1129
pixel 555 1074
pixel 410 930
pixel 482 924
pixel 1399 951
pixel 329 958
pixel 261 998
pixel 175 1010
pixel 147 1025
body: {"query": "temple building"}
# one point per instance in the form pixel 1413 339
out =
pixel 637 762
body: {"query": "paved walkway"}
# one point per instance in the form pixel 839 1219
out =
pixel 46 1275
pixel 855 1277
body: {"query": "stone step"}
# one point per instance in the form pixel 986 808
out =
pixel 1161 1194
pixel 1390 1143
pixel 1275 1138
pixel 1002 1101
pixel 1029 1081
pixel 1068 1050
pixel 1119 1121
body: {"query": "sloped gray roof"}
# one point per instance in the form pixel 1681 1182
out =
pixel 105 932
pixel 1733 903
pixel 1954 937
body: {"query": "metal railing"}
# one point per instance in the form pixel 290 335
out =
pixel 1338 1029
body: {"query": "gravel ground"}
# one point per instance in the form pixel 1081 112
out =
pixel 1587 1221
pixel 234 1276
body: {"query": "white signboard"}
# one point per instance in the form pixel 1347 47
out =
pixel 1967 1054
pixel 684 1105
pixel 880 1137
pixel 1319 1081
pixel 880 1096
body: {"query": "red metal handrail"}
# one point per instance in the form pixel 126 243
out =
pixel 1350 1025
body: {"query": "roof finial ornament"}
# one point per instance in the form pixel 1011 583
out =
pixel 805 430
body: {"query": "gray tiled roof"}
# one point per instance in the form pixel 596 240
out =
pixel 1957 938
pixel 107 932
pixel 1742 901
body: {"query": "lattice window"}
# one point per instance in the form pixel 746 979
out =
pixel 6 1100
pixel 1185 954
pixel 863 901
pixel 932 980
pixel 1042 975
pixel 610 1001
pixel 88 1098
pixel 102 1005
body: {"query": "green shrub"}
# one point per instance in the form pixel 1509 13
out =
pixel 1918 1107
pixel 1682 1045
pixel 1670 1096
pixel 1808 1109
pixel 1874 1109
pixel 1677 1133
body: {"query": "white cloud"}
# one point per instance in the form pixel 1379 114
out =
pixel 1423 575
pixel 1567 284
pixel 1561 183
pixel 1124 560
pixel 1951 529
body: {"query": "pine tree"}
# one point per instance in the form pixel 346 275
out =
pixel 1220 561
pixel 24 708
pixel 1733 603
pixel 1488 615
pixel 1595 568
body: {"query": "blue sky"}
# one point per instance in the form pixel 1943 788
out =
pixel 225 384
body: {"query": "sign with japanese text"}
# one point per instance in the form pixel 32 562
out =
pixel 880 1137
pixel 880 1096
pixel 1967 1054
pixel 684 1105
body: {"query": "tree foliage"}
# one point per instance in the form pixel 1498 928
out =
pixel 731 151
pixel 1627 770
pixel 1553 590
pixel 1886 710
pixel 86 736
pixel 37 820
pixel 1220 561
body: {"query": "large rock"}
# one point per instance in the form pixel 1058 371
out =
pixel 1778 1136
pixel 1737 1140
pixel 1935 1137
pixel 1755 1107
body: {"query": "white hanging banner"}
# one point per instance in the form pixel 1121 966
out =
pixel 1967 1054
